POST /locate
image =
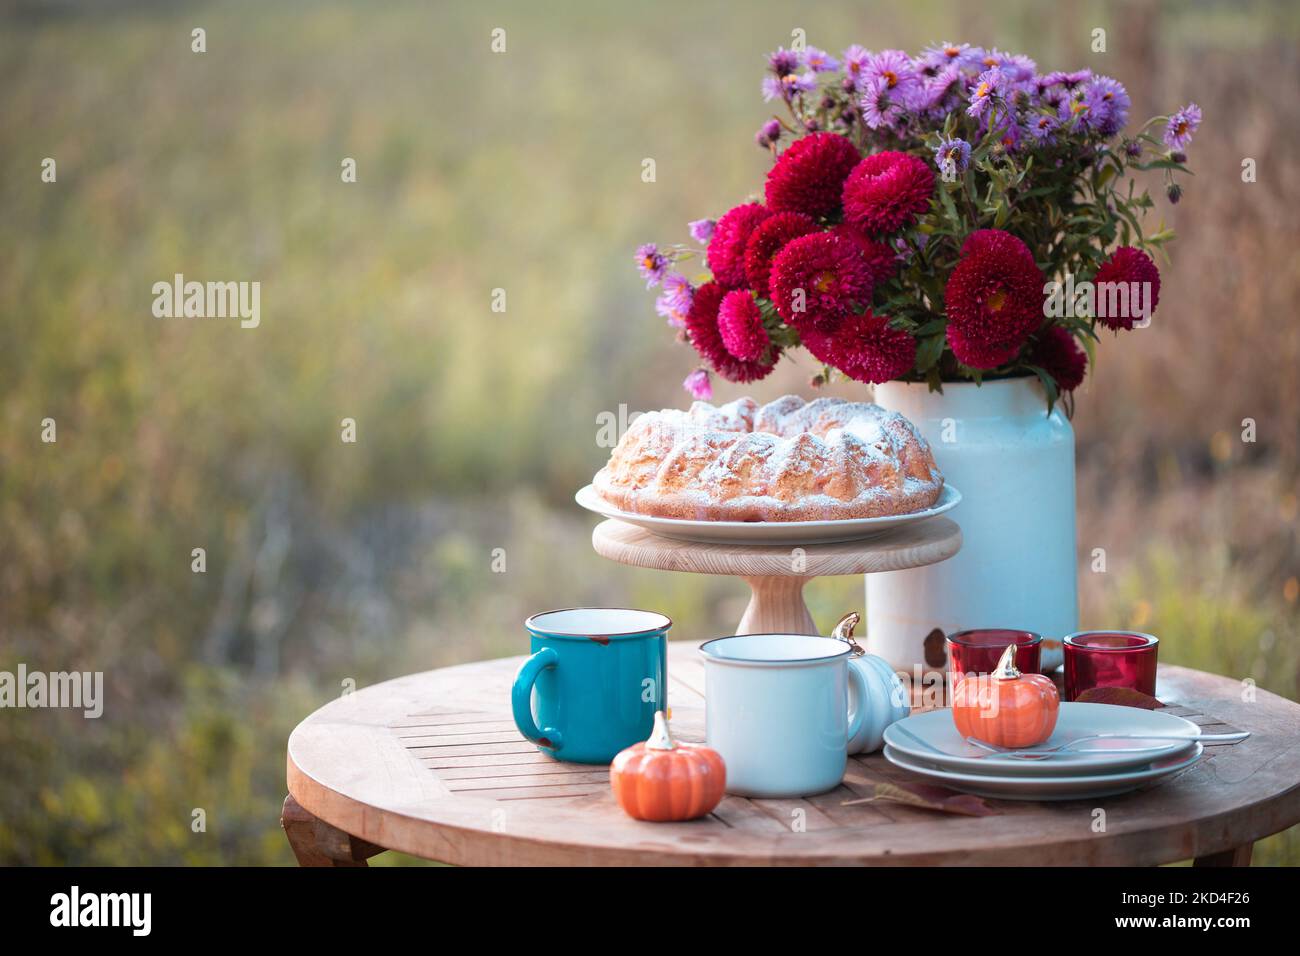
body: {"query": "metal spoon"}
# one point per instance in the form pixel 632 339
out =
pixel 994 750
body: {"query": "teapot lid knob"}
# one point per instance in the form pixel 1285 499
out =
pixel 843 631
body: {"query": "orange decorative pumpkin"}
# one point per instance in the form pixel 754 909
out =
pixel 1006 708
pixel 663 780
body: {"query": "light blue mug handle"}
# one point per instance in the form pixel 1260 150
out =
pixel 858 715
pixel 521 699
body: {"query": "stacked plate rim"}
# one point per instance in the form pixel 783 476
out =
pixel 929 746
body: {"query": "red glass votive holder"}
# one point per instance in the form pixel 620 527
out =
pixel 977 651
pixel 1110 659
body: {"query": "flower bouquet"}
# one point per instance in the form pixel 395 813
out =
pixel 954 216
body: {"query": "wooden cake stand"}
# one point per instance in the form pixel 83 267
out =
pixel 776 573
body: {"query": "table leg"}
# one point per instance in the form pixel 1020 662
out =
pixel 1238 856
pixel 776 607
pixel 316 843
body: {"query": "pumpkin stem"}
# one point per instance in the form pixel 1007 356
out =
pixel 661 737
pixel 1006 669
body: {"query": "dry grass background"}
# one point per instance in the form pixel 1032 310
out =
pixel 328 562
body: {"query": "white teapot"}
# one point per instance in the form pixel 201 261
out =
pixel 887 699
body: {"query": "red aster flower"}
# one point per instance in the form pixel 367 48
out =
pixel 817 279
pixel 980 353
pixel 1057 353
pixel 741 325
pixel 766 241
pixel 726 254
pixel 1126 265
pixel 995 240
pixel 809 176
pixel 881 260
pixel 887 191
pixel 702 329
pixel 864 348
pixel 994 299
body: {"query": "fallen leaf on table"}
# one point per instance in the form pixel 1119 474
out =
pixel 1120 696
pixel 927 797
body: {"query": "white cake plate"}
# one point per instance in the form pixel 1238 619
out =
pixel 787 533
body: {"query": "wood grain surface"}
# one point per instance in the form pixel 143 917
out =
pixel 776 574
pixel 431 764
pixel 909 546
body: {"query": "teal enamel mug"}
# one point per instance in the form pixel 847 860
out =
pixel 594 681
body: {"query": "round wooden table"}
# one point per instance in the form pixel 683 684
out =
pixel 432 765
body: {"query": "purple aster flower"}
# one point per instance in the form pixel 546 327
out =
pixel 1069 80
pixel 988 85
pixel 819 61
pixel 768 134
pixel 1178 134
pixel 952 154
pixel 972 60
pixel 785 87
pixel 698 384
pixel 1021 67
pixel 1043 128
pixel 961 55
pixel 701 229
pixel 675 301
pixel 785 79
pixel 652 264
pixel 942 92
pixel 1053 97
pixel 783 62
pixel 1108 104
pixel 855 63
pixel 899 74
pixel 879 106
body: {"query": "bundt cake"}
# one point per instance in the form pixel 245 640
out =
pixel 789 460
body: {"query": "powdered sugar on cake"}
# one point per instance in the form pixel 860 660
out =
pixel 789 460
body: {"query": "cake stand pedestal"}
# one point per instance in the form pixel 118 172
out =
pixel 776 573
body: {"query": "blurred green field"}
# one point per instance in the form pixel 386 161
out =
pixel 329 561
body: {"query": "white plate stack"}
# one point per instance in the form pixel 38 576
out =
pixel 1126 748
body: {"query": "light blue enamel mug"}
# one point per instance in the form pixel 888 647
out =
pixel 594 681
pixel 781 710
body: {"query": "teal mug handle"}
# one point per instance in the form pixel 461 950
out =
pixel 858 715
pixel 521 699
